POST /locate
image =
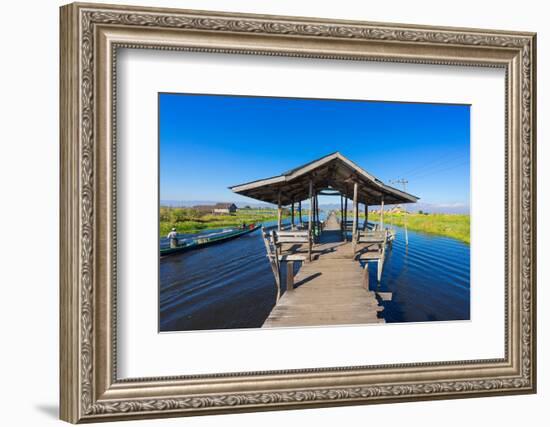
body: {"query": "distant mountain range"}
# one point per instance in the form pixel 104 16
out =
pixel 450 208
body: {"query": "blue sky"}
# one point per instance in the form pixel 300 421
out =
pixel 208 143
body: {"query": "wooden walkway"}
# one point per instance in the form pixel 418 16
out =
pixel 330 290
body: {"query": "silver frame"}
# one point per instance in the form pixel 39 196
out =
pixel 90 37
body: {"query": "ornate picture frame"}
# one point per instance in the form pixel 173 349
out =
pixel 90 37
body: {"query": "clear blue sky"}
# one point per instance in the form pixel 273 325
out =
pixel 208 143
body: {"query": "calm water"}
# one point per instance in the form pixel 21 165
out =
pixel 231 285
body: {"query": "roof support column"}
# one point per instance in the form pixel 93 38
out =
pixel 346 218
pixel 292 213
pixel 317 215
pixel 382 214
pixel 300 213
pixel 342 214
pixel 365 224
pixel 279 212
pixel 309 223
pixel 355 217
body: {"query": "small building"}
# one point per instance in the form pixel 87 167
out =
pixel 204 208
pixel 225 208
pixel 218 208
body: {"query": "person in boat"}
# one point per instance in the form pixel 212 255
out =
pixel 173 236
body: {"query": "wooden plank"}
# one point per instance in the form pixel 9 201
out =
pixel 370 256
pixel 292 240
pixel 293 233
pixel 284 258
pixel 385 296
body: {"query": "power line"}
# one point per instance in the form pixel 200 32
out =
pixel 440 161
pixel 438 166
pixel 440 170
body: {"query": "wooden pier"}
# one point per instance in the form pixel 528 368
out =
pixel 332 289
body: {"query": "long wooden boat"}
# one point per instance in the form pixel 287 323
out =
pixel 201 242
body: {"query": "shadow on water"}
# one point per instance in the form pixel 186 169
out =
pixel 231 285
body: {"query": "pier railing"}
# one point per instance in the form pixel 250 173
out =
pixel 274 241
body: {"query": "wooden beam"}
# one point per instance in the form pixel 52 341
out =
pixel 365 224
pixel 300 212
pixel 292 213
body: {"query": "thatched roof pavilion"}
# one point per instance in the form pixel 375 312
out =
pixel 333 175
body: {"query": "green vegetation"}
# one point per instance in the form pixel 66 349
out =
pixel 189 220
pixel 450 225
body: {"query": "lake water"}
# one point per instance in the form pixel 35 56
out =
pixel 231 285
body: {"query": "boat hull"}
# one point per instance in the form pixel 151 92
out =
pixel 210 242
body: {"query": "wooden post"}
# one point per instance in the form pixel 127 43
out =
pixel 382 214
pixel 309 218
pixel 269 241
pixel 381 259
pixel 292 213
pixel 314 214
pixel 317 214
pixel 300 212
pixel 290 275
pixel 406 232
pixel 366 223
pixel 355 216
pixel 279 212
pixel 345 218
pixel 342 214
pixel 312 219
pixel 357 221
pixel 366 276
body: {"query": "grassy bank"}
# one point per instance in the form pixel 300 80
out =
pixel 187 220
pixel 455 226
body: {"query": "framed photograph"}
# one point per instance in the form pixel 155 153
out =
pixel 266 212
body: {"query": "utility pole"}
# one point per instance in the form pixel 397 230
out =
pixel 404 183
